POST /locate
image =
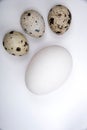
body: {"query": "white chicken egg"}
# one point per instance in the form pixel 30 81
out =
pixel 48 69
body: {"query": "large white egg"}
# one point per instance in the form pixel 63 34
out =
pixel 48 69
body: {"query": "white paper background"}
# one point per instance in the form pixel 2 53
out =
pixel 63 109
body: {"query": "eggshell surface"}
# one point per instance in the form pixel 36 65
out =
pixel 33 23
pixel 15 43
pixel 59 19
pixel 48 69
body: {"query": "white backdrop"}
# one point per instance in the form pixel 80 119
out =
pixel 63 109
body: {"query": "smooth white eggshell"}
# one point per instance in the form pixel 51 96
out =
pixel 48 69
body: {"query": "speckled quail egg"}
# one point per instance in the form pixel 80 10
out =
pixel 33 23
pixel 15 43
pixel 59 19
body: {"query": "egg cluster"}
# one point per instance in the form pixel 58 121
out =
pixel 32 22
pixel 51 66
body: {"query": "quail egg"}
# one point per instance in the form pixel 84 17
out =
pixel 15 43
pixel 59 19
pixel 33 23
